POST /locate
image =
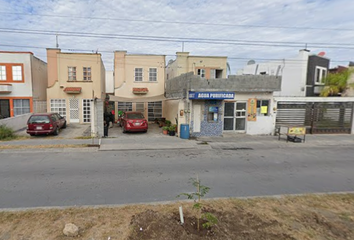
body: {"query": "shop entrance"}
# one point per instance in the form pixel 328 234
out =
pixel 235 116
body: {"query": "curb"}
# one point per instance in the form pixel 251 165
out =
pixel 277 196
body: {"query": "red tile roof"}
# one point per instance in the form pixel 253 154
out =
pixel 72 90
pixel 140 90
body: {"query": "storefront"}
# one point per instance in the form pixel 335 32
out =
pixel 214 113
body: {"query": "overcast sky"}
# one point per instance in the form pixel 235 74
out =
pixel 160 26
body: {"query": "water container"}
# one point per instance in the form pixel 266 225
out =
pixel 184 132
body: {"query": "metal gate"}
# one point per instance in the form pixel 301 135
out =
pixel 318 117
pixel 74 110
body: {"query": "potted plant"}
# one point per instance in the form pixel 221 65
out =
pixel 165 130
pixel 168 123
pixel 172 130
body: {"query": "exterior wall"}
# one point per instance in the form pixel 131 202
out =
pixel 40 79
pixel 315 61
pixel 16 123
pixel 185 63
pixel 264 125
pixel 171 110
pixel 209 129
pixel 52 64
pixel 293 72
pixel 94 89
pixel 109 82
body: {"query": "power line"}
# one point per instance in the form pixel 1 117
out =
pixel 181 22
pixel 73 50
pixel 181 39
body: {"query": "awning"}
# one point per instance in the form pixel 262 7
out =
pixel 72 90
pixel 140 90
pixel 138 99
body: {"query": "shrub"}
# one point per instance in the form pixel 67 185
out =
pixel 6 132
pixel 165 128
pixel 168 123
pixel 172 128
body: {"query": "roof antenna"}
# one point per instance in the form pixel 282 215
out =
pixel 57 42
pixel 182 46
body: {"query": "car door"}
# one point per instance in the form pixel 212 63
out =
pixel 56 120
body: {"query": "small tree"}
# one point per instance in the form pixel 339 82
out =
pixel 335 83
pixel 201 191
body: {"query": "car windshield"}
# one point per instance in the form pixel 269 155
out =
pixel 39 119
pixel 135 116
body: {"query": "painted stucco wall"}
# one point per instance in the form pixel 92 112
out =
pixel 292 70
pixel 20 89
pixel 124 74
pixel 264 125
pixel 171 110
pixel 40 79
pixel 109 82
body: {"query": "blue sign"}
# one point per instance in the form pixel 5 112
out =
pixel 214 109
pixel 211 95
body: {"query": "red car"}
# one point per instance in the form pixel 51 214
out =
pixel 133 122
pixel 45 124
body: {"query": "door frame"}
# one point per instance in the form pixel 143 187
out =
pixel 234 117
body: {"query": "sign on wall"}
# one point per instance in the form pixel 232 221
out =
pixel 211 95
pixel 252 110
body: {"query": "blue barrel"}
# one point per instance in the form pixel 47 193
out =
pixel 184 133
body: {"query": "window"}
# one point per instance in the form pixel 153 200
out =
pixel 87 73
pixel 58 106
pixel 153 74
pixel 138 74
pixel 17 73
pixel 262 107
pixel 72 73
pixel 125 106
pixel 201 72
pixel 320 75
pixel 2 72
pixel 86 108
pixel 21 106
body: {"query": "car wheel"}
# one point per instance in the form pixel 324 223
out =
pixel 31 134
pixel 64 126
pixel 56 132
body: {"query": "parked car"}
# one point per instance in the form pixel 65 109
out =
pixel 133 122
pixel 45 124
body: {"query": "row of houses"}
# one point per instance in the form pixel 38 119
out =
pixel 196 90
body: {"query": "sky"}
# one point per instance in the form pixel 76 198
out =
pixel 241 30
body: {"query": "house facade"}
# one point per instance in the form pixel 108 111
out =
pixel 23 79
pixel 139 83
pixel 302 76
pixel 76 81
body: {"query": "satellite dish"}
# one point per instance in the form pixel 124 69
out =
pixel 251 62
pixel 321 54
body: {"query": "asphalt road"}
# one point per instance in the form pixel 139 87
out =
pixel 90 178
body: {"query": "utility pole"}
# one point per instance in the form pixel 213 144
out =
pixel 57 42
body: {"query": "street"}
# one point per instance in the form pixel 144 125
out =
pixel 38 179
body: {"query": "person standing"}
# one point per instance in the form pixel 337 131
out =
pixel 105 127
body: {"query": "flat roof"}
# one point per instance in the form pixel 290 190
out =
pixel 16 52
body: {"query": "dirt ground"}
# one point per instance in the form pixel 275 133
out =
pixel 300 217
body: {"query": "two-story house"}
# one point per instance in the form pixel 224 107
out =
pixel 23 79
pixel 139 83
pixel 302 76
pixel 75 81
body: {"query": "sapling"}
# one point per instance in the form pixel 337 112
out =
pixel 201 191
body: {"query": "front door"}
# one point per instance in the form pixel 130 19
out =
pixel 74 110
pixel 235 116
pixel 4 108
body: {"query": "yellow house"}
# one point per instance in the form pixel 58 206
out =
pixel 208 67
pixel 139 83
pixel 75 82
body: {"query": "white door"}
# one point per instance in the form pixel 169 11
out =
pixel 74 110
pixel 197 119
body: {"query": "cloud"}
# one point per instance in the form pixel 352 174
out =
pixel 198 16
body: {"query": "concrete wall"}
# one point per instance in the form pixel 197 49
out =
pixel 179 86
pixel 109 82
pixel 171 110
pixel 16 123
pixel 39 79
pixel 264 125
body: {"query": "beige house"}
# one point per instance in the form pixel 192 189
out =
pixel 208 67
pixel 76 81
pixel 139 83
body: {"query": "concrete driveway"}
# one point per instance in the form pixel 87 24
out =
pixel 116 132
pixel 72 130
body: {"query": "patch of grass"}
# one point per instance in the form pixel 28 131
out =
pixel 6 133
pixel 43 146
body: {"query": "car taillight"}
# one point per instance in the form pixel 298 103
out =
pixel 51 126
